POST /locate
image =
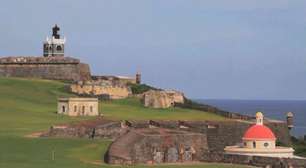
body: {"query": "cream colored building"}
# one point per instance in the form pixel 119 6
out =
pixel 78 106
pixel 259 140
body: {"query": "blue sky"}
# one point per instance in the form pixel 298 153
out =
pixel 236 49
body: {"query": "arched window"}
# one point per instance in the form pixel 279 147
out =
pixel 63 109
pixel 91 109
pixel 75 108
pixel 58 48
pixel 254 144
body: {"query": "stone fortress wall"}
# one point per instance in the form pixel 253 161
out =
pixel 258 161
pixel 157 146
pixel 54 68
pixel 217 135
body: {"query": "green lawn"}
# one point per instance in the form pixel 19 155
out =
pixel 27 106
pixel 132 109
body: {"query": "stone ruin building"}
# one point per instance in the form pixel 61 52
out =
pixel 52 65
pixel 76 106
pixel 105 87
pixel 162 99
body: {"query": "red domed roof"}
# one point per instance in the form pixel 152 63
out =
pixel 259 132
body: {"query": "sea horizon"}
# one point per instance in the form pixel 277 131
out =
pixel 273 109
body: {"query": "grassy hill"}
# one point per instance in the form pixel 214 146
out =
pixel 28 105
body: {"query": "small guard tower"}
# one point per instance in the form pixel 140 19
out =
pixel 54 46
pixel 290 120
pixel 138 78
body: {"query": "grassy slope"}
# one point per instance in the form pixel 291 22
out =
pixel 132 109
pixel 30 105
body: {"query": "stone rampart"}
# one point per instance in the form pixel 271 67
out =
pixel 219 134
pixel 222 134
pixel 149 146
pixel 54 68
pixel 258 161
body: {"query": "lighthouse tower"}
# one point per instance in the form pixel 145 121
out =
pixel 54 46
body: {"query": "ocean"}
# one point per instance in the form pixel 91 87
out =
pixel 274 109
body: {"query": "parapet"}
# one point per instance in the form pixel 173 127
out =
pixel 78 99
pixel 38 60
pixel 54 68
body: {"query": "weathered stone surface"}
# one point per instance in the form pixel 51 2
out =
pixel 259 161
pixel 104 89
pixel 172 155
pixel 98 128
pixel 156 146
pixel 38 60
pixel 158 157
pixel 219 134
pixel 55 68
pixel 162 99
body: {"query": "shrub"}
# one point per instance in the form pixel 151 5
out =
pixel 141 88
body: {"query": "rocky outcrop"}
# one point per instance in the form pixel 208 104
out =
pixel 100 88
pixel 162 99
pixel 54 68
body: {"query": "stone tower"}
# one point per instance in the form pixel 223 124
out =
pixel 138 78
pixel 290 120
pixel 54 46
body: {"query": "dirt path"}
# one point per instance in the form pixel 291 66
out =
pixel 34 134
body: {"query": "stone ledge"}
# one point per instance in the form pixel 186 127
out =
pixel 38 60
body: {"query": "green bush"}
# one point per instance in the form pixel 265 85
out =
pixel 141 88
pixel 299 145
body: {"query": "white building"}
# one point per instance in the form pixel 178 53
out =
pixel 259 140
pixel 78 106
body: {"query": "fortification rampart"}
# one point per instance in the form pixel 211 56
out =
pixel 54 68
pixel 157 146
pixel 172 141
pixel 219 134
pixel 258 161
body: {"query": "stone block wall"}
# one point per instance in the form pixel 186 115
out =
pixel 219 134
pixel 258 161
pixel 111 92
pixel 54 68
pixel 149 146
pixel 162 99
pixel 222 134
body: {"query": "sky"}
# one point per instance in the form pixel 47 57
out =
pixel 210 49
